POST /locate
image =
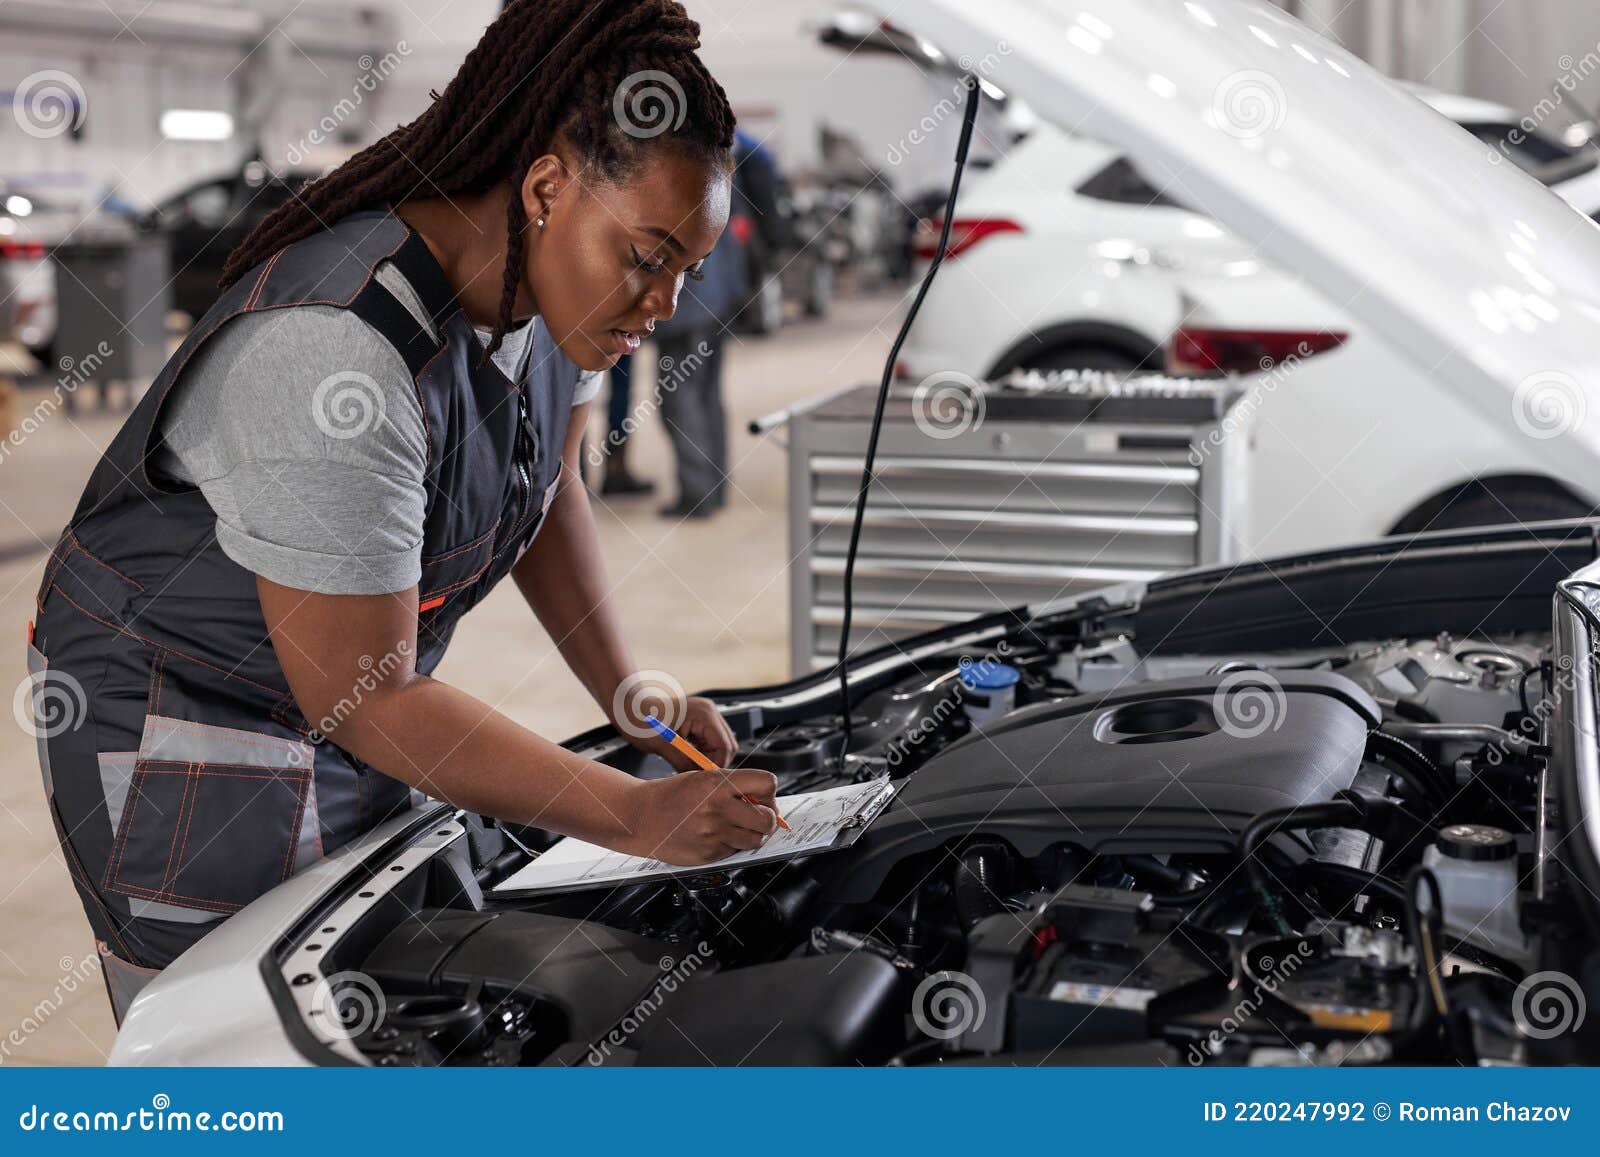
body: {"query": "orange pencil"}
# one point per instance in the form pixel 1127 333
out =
pixel 702 761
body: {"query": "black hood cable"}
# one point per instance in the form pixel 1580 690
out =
pixel 968 119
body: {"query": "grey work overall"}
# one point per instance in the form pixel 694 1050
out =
pixel 187 782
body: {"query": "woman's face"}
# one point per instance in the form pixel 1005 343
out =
pixel 612 255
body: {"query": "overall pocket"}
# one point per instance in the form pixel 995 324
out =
pixel 451 571
pixel 215 814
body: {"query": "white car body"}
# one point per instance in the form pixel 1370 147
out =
pixel 1438 276
pixel 1104 284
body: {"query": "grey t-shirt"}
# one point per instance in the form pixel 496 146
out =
pixel 303 429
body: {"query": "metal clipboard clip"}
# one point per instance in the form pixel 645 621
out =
pixel 868 810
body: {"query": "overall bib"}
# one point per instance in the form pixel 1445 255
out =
pixel 181 775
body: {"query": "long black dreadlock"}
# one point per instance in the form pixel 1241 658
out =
pixel 598 73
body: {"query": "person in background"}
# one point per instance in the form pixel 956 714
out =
pixel 689 383
pixel 618 481
pixel 756 189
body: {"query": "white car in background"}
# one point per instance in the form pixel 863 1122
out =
pixel 1064 255
pixel 29 227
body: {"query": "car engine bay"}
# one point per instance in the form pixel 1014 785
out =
pixel 1313 855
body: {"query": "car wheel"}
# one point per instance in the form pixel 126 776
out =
pixel 1494 503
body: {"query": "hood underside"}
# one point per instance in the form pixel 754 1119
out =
pixel 1432 240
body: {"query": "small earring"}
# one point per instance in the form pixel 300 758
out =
pixel 540 222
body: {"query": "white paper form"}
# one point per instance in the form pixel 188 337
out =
pixel 815 821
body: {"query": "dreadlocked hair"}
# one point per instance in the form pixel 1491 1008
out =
pixel 614 78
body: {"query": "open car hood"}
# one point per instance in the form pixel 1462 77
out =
pixel 1435 243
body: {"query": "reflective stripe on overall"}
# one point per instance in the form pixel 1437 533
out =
pixel 189 782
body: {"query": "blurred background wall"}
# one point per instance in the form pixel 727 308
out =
pixel 1512 52
pixel 279 66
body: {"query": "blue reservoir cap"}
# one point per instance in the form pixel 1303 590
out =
pixel 990 676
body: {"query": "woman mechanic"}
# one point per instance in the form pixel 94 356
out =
pixel 378 420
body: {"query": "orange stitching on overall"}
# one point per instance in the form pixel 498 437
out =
pixel 300 786
pixel 233 735
pixel 261 281
pixel 79 547
pixel 121 630
pixel 185 816
pixel 452 588
pixel 209 771
pixel 178 899
pixel 157 671
pixel 57 557
pixel 130 805
pixel 473 545
pixel 294 831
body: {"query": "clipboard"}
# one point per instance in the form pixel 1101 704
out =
pixel 821 821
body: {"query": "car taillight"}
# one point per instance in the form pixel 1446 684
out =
pixel 1197 349
pixel 965 232
pixel 21 250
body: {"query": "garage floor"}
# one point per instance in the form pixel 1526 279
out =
pixel 705 601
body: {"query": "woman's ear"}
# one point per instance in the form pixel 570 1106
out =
pixel 542 186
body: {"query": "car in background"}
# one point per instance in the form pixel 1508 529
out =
pixel 205 222
pixel 1071 255
pixel 31 226
pixel 1063 255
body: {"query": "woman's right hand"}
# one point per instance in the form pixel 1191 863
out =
pixel 697 817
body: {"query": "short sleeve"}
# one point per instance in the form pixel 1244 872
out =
pixel 588 387
pixel 302 429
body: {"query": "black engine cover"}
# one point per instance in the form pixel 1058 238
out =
pixel 1175 766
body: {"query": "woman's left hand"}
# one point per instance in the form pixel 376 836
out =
pixel 701 725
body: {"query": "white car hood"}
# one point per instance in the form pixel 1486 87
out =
pixel 1464 265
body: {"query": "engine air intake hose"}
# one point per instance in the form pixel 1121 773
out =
pixel 1426 779
pixel 983 877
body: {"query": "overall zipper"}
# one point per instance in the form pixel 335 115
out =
pixel 526 437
